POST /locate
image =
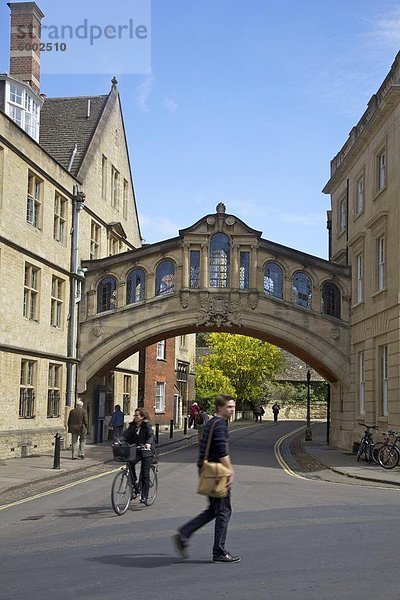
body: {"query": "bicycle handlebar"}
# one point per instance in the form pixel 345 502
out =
pixel 369 426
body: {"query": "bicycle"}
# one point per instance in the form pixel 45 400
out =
pixel 389 454
pixel 124 488
pixel 366 443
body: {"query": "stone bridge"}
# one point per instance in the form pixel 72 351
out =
pixel 217 275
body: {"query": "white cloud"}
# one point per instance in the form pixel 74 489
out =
pixel 143 94
pixel 170 106
pixel 386 29
pixel 157 228
pixel 306 219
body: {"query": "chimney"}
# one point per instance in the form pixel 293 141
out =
pixel 26 20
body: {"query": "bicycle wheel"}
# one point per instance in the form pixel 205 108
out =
pixel 153 487
pixel 361 450
pixel 389 456
pixel 375 451
pixel 121 492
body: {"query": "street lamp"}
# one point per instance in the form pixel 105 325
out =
pixel 308 433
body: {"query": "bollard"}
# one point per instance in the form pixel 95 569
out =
pixel 157 432
pixel 185 426
pixel 171 428
pixel 57 448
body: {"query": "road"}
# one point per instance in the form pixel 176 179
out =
pixel 317 540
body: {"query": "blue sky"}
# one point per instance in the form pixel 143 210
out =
pixel 246 103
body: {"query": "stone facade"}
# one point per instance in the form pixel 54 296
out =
pixel 364 234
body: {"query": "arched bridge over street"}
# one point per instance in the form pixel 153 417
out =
pixel 217 275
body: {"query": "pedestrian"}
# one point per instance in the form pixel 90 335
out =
pixel 259 412
pixel 140 432
pixel 78 426
pixel 275 409
pixel 201 419
pixel 194 409
pixel 218 508
pixel 116 423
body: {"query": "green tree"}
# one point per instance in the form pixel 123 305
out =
pixel 209 383
pixel 247 362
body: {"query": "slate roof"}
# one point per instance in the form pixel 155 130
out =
pixel 63 123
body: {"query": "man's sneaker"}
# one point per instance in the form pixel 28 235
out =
pixel 226 558
pixel 180 546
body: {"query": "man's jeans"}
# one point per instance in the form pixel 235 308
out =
pixel 219 509
pixel 78 444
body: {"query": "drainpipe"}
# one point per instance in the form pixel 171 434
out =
pixel 76 273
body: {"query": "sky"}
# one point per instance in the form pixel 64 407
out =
pixel 243 102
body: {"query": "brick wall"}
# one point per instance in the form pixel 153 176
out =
pixel 160 371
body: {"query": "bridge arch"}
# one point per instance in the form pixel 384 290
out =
pixel 321 340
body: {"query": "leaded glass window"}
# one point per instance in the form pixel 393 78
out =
pixel 135 286
pixel 302 289
pixel 244 271
pixel 330 299
pixel 219 260
pixel 106 294
pixel 273 280
pixel 165 277
pixel 194 283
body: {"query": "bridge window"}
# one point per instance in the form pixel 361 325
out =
pixel 302 289
pixel 194 269
pixel 165 277
pixel 273 280
pixel 330 300
pixel 219 260
pixel 106 294
pixel 135 286
pixel 244 271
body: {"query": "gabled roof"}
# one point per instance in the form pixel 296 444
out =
pixel 64 123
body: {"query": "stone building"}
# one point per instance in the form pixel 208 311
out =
pixel 66 194
pixel 363 226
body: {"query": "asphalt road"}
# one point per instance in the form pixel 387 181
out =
pixel 298 538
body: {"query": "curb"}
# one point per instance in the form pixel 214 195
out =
pixel 345 474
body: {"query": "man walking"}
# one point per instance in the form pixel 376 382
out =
pixel 117 422
pixel 77 426
pixel 275 409
pixel 218 508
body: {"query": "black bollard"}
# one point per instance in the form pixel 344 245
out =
pixel 171 428
pixel 57 448
pixel 157 432
pixel 185 426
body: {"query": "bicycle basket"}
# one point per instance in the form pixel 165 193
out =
pixel 124 452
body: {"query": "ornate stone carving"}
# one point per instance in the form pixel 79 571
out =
pixel 252 300
pixel 335 333
pixel 221 208
pixel 185 299
pixel 219 310
pixel 97 330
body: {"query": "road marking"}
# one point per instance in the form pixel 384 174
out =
pixel 278 455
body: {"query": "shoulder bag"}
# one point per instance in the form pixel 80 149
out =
pixel 213 475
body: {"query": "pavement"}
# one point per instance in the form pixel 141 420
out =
pixel 345 462
pixel 20 472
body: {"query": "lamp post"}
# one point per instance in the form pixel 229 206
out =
pixel 308 434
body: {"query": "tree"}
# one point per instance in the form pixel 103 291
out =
pixel 247 362
pixel 209 383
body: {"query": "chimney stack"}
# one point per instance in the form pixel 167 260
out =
pixel 26 20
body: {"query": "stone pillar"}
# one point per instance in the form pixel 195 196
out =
pixel 91 303
pixel 253 268
pixel 235 267
pixel 121 300
pixel 204 279
pixel 185 265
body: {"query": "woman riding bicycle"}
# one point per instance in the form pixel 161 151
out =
pixel 140 432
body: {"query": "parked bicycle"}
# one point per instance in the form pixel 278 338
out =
pixel 367 443
pixel 389 454
pixel 125 488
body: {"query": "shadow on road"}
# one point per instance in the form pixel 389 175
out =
pixel 144 561
pixel 87 512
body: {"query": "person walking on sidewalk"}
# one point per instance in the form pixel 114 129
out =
pixel 259 412
pixel 201 419
pixel 117 422
pixel 78 426
pixel 275 409
pixel 218 508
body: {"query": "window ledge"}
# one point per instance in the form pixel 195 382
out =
pixel 159 412
pixel 378 293
pixel 24 418
pixel 358 215
pixel 383 418
pixel 379 192
pixel 358 304
pixel 161 359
